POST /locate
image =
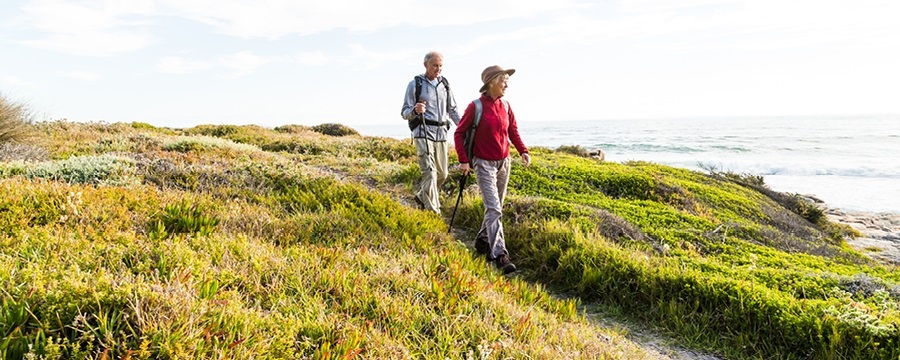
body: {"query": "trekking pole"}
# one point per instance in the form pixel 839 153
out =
pixel 462 186
pixel 425 130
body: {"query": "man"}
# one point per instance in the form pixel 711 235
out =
pixel 495 131
pixel 428 107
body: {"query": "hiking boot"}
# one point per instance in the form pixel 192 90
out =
pixel 419 202
pixel 502 262
pixel 482 246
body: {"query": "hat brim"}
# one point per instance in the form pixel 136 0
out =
pixel 486 84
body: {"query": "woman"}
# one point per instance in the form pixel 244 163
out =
pixel 490 159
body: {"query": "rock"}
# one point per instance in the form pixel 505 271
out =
pixel 598 155
pixel 880 231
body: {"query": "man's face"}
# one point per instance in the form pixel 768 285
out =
pixel 433 67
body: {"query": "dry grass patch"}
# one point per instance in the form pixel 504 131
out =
pixel 15 121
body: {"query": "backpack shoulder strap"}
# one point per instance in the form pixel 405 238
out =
pixel 469 142
pixel 418 119
pixel 418 88
pixel 449 96
pixel 478 110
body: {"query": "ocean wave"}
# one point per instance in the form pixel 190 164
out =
pixel 666 148
pixel 794 169
pixel 738 149
pixel 847 172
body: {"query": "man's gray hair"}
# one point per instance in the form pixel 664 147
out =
pixel 432 54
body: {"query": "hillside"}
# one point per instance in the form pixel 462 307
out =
pixel 131 241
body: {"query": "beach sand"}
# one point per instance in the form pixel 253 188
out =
pixel 881 233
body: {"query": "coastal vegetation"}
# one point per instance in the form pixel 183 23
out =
pixel 220 241
pixel 15 126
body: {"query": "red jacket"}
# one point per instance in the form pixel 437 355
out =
pixel 494 133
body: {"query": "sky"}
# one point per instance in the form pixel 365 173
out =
pixel 181 63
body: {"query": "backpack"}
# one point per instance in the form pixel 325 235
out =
pixel 419 119
pixel 469 141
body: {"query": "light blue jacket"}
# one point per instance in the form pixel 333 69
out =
pixel 439 106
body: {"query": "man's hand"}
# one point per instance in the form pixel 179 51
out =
pixel 527 159
pixel 464 168
pixel 420 107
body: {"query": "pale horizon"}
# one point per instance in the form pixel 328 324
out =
pixel 184 63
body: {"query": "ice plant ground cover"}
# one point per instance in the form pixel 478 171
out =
pixel 127 240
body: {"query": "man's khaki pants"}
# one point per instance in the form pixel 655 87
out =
pixel 433 165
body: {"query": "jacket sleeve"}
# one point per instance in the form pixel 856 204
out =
pixel 409 102
pixel 513 132
pixel 452 109
pixel 459 136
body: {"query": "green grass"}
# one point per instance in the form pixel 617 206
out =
pixel 163 244
pixel 720 264
pixel 132 241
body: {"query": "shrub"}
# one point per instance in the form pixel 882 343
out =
pixel 302 147
pixel 745 179
pixel 201 143
pixel 245 134
pixel 576 150
pixel 334 129
pixel 796 203
pixel 15 121
pixel 215 130
pixel 292 129
pixel 142 126
pixel 807 209
pixel 95 170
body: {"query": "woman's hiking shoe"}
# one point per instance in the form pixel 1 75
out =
pixel 419 202
pixel 502 262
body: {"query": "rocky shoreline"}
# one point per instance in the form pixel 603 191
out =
pixel 881 233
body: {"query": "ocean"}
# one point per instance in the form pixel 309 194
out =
pixel 850 162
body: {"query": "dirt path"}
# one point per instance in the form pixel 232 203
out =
pixel 653 341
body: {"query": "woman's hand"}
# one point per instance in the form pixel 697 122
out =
pixel 464 168
pixel 527 159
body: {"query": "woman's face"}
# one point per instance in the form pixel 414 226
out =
pixel 498 86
